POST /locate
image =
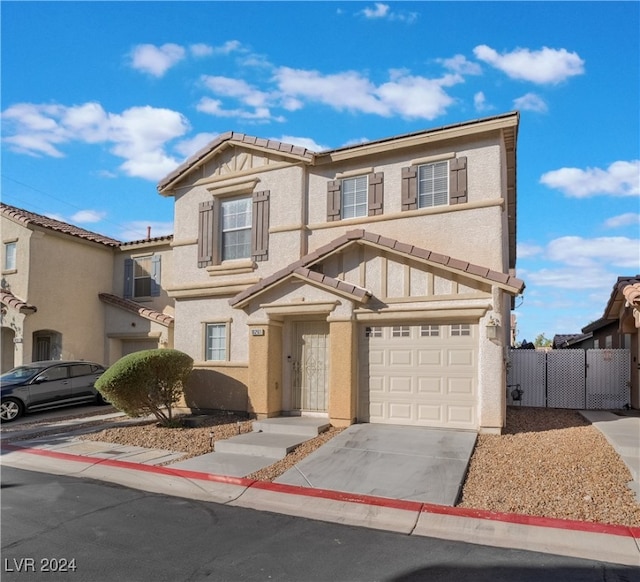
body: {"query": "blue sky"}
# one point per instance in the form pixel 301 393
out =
pixel 100 100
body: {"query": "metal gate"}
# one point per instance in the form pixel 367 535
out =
pixel 578 379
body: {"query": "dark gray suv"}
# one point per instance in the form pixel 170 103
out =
pixel 49 384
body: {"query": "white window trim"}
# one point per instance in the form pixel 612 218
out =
pixel 227 337
pixel 219 203
pixel 419 195
pixel 342 197
pixel 6 268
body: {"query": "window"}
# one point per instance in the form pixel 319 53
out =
pixel 10 256
pixel 400 331
pixel 236 228
pixel 433 184
pixel 608 342
pixel 142 277
pixel 354 197
pixel 233 228
pixel 216 341
pixel 429 330
pixel 460 329
pixel 373 331
pixel 596 344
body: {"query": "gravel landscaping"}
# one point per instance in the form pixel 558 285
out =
pixel 549 463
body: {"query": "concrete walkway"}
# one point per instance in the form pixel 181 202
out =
pixel 623 434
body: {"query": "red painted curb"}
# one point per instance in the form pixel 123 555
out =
pixel 530 520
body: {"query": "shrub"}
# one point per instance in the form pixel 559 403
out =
pixel 147 382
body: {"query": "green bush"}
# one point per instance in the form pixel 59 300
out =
pixel 147 382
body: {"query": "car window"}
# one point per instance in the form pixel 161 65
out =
pixel 56 373
pixel 20 373
pixel 81 370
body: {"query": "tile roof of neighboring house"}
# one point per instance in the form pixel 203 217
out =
pixel 157 239
pixel 31 218
pixel 136 308
pixel 597 324
pixel 626 290
pixel 512 284
pixel 566 340
pixel 12 301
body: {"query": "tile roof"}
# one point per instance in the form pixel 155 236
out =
pixel 157 239
pixel 31 218
pixel 136 308
pixel 626 290
pixel 281 147
pixel 565 340
pixel 302 152
pixel 512 284
pixel 12 301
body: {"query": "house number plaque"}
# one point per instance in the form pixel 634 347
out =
pixel 257 332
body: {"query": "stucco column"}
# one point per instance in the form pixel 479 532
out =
pixel 343 372
pixel 265 369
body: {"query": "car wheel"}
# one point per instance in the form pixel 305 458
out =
pixel 10 409
pixel 100 400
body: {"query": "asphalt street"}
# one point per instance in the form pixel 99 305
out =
pixel 62 528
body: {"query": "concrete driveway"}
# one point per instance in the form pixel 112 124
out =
pixel 399 462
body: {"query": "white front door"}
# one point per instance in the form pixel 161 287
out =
pixel 310 366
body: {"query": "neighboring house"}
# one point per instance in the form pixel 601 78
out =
pixel 619 327
pixel 138 311
pixel 63 293
pixel 52 273
pixel 572 341
pixel 367 283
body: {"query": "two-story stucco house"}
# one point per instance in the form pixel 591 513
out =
pixel 69 293
pixel 368 283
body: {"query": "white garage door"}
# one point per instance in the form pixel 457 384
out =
pixel 423 375
pixel 130 346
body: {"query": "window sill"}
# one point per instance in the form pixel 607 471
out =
pixel 10 272
pixel 232 268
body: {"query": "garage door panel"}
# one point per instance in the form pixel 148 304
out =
pixel 430 357
pixel 401 357
pixel 422 375
pixel 430 385
pixel 461 358
pixel 400 384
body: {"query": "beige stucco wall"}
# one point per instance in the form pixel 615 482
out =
pixel 62 277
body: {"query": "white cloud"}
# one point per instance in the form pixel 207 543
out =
pixel 188 147
pixel 460 64
pixel 378 11
pixel 572 278
pixel 305 142
pixel 627 219
pixel 228 47
pixel 156 60
pixel 201 49
pixel 621 178
pixel 576 251
pixel 530 102
pixel 480 102
pixel 404 95
pixel 383 11
pixel 526 250
pixel 214 107
pixel 138 135
pixel 543 66
pixel 238 88
pixel 88 216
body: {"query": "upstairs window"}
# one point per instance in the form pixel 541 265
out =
pixel 433 184
pixel 354 197
pixel 236 228
pixel 437 183
pixel 142 277
pixel 233 228
pixel 10 250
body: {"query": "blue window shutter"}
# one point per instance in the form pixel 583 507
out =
pixel 128 279
pixel 155 276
